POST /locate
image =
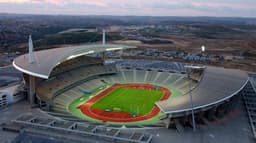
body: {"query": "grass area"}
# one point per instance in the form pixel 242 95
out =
pixel 77 112
pixel 131 100
pixel 73 106
pixel 174 92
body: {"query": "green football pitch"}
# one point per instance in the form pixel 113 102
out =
pixel 130 100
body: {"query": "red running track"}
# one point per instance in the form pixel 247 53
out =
pixel 116 116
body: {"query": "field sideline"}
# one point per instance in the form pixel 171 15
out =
pixel 130 100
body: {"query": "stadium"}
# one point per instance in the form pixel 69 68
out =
pixel 79 84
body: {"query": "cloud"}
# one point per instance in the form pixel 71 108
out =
pixel 133 7
pixel 14 1
pixel 58 2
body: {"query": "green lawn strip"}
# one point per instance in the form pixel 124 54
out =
pixel 152 121
pixel 72 107
pixel 174 92
pixel 77 112
pixel 130 100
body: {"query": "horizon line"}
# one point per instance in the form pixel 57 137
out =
pixel 183 16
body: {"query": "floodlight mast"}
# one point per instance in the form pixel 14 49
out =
pixel 31 60
pixel 103 43
pixel 188 71
pixel 203 49
pixel 103 37
pixel 31 48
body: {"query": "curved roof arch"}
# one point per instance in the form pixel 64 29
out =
pixel 46 60
pixel 217 85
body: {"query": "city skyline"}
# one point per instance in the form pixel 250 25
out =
pixel 218 8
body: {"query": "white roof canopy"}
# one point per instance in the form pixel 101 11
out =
pixel 46 60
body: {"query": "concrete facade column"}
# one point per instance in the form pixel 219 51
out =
pixel 31 90
pixel 103 56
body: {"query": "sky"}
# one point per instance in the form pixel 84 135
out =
pixel 219 8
